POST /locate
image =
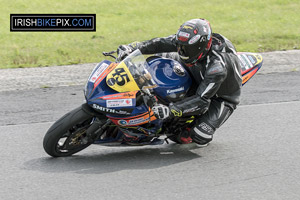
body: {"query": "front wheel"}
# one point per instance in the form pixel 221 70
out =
pixel 68 135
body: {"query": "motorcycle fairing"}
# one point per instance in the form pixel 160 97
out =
pixel 250 64
pixel 95 85
pixel 136 120
pixel 98 94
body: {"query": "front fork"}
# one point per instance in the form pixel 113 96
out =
pixel 99 123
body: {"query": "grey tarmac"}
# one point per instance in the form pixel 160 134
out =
pixel 254 155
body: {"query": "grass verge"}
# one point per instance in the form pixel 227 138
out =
pixel 255 26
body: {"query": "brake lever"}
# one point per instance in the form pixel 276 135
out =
pixel 149 99
pixel 110 54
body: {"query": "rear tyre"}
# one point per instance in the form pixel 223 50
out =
pixel 67 135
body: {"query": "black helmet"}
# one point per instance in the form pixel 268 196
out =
pixel 193 40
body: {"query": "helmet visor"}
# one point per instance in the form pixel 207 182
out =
pixel 189 53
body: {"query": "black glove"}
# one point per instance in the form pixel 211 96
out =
pixel 175 111
pixel 124 50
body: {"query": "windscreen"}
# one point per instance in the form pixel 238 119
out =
pixel 130 74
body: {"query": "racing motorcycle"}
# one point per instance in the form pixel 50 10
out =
pixel 119 97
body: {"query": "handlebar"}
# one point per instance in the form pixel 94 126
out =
pixel 110 54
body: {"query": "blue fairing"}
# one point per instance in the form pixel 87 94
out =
pixel 172 79
pixel 101 90
pixel 93 95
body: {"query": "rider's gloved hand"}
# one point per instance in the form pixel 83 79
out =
pixel 175 111
pixel 123 51
pixel 161 111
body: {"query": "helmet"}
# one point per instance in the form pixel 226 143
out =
pixel 193 40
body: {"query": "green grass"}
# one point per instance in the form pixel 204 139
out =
pixel 252 25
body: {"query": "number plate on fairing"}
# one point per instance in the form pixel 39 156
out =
pixel 121 80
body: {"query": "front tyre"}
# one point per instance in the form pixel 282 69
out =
pixel 67 135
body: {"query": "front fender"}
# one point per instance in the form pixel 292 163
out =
pixel 90 111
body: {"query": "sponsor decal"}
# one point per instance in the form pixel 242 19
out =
pixel 204 126
pixel 138 121
pixel 122 122
pixel 248 63
pixel 119 103
pixel 249 75
pixel 111 82
pixel 130 94
pixel 191 110
pixel 188 27
pixel 104 73
pixel 184 34
pixel 252 60
pixel 176 113
pixel 110 110
pixel 175 90
pixel 242 61
pixel 258 57
pixel 98 72
pixel 133 122
pixel 203 38
pixel 125 95
pixel 194 39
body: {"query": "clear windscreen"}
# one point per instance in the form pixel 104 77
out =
pixel 131 74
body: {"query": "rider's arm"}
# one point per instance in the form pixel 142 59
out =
pixel 199 103
pixel 213 78
pixel 157 45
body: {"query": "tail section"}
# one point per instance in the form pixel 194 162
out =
pixel 250 64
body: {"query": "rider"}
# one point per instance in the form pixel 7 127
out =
pixel 212 62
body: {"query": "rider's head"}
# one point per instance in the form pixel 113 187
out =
pixel 193 40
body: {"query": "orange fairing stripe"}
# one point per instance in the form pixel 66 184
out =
pixel 104 74
pixel 249 75
pixel 141 117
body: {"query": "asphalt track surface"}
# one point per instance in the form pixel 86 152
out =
pixel 254 155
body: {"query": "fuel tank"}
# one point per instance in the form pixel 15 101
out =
pixel 171 77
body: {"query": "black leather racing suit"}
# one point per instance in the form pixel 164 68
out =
pixel 218 79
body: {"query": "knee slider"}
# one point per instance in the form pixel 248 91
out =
pixel 202 133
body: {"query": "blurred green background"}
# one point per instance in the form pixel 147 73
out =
pixel 252 25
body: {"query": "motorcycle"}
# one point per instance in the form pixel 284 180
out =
pixel 119 97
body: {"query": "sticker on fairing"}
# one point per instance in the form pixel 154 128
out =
pixel 245 62
pixel 121 80
pixel 134 122
pixel 118 103
pixel 125 95
pixel 98 72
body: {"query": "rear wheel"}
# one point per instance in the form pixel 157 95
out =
pixel 68 135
